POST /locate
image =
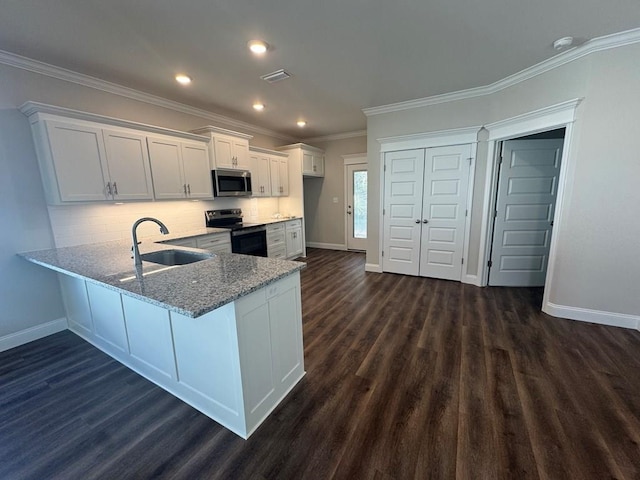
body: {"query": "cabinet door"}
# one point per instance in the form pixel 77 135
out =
pixel 283 170
pixel 108 319
pixel 286 332
pixel 197 171
pixel 307 163
pixel 166 168
pixel 260 175
pixel 128 162
pixel 318 164
pixel 79 160
pixel 241 153
pixel 276 191
pixel 223 147
pixel 259 381
pixel 294 242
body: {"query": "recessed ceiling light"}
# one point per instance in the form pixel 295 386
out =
pixel 258 106
pixel 258 47
pixel 183 79
pixel 301 123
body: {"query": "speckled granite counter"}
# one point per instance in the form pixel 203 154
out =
pixel 192 290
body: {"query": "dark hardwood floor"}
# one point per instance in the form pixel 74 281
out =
pixel 406 378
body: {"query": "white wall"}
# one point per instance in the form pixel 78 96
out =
pixel 29 294
pixel 597 266
pixel 324 220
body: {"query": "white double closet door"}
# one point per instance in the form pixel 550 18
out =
pixel 425 203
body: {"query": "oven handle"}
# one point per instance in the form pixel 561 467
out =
pixel 248 230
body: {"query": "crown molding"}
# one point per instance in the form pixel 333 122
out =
pixel 337 136
pixel 305 146
pixel 267 151
pixel 41 109
pixel 211 130
pixel 596 45
pixel 24 63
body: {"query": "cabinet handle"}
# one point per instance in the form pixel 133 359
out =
pixel 425 221
pixel 184 187
pixel 418 221
pixel 109 188
pixel 115 188
pixel 189 188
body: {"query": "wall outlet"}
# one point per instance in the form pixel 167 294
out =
pixel 335 199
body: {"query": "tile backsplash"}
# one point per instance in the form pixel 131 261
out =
pixel 94 223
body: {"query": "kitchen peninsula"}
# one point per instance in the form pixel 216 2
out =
pixel 224 333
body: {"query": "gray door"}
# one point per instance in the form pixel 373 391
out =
pixel 527 189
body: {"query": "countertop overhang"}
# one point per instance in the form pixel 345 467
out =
pixel 192 290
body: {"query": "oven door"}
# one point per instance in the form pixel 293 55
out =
pixel 250 241
pixel 231 183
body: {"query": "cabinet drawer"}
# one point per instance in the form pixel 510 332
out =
pixel 183 242
pixel 275 238
pixel 275 227
pixel 279 251
pixel 221 248
pixel 212 241
pixel 294 224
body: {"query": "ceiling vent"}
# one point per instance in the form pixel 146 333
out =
pixel 276 76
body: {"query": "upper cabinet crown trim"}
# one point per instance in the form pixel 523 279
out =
pixel 33 108
pixel 266 151
pixel 211 129
pixel 300 145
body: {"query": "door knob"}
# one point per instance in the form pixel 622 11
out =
pixel 418 221
pixel 425 221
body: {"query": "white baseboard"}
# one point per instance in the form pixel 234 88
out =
pixel 373 267
pixel 593 316
pixel 471 280
pixel 326 246
pixel 34 333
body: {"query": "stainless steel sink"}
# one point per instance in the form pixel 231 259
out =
pixel 175 257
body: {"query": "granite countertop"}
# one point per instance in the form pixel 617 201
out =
pixel 192 290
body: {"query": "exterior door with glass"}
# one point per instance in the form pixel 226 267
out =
pixel 357 206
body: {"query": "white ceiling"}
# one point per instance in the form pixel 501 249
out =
pixel 344 55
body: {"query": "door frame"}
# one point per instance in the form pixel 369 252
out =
pixel 561 115
pixel 351 159
pixel 441 138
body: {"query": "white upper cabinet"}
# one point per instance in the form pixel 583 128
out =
pixel 269 172
pixel 128 163
pixel 197 169
pixel 74 162
pixel 227 149
pixel 180 169
pixel 312 163
pixel 85 157
pixel 310 158
pixel 260 175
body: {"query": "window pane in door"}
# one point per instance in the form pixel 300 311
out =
pixel 360 204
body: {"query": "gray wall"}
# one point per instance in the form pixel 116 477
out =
pixel 597 264
pixel 324 220
pixel 29 294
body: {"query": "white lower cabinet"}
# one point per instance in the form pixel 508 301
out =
pixel 108 318
pixel 216 242
pixel 150 337
pixel 276 244
pixel 76 303
pixel 293 233
pixel 269 326
pixel 234 364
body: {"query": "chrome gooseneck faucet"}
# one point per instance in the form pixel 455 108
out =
pixel 136 252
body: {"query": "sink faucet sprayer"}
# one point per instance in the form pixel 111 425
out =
pixel 136 252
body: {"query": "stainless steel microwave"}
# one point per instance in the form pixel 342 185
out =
pixel 231 183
